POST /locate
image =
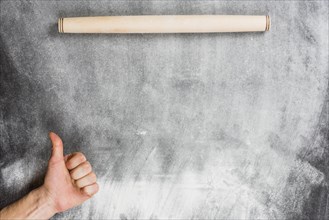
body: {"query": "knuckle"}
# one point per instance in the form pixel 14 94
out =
pixel 87 165
pixel 87 192
pixel 80 156
pixel 96 188
pixel 93 190
pixel 93 177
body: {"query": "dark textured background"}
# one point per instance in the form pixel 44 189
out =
pixel 176 125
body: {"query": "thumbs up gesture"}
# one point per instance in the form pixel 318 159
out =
pixel 69 180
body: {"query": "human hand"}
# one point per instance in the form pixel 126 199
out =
pixel 69 180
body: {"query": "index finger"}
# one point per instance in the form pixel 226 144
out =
pixel 75 159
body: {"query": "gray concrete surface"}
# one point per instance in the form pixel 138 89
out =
pixel 178 126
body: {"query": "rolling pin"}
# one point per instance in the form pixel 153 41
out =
pixel 165 24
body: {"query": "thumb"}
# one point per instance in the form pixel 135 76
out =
pixel 57 149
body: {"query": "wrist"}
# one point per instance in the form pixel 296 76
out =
pixel 44 201
pixel 35 205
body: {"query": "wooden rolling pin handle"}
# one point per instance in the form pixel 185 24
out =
pixel 165 24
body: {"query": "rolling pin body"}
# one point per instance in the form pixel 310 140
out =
pixel 164 24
